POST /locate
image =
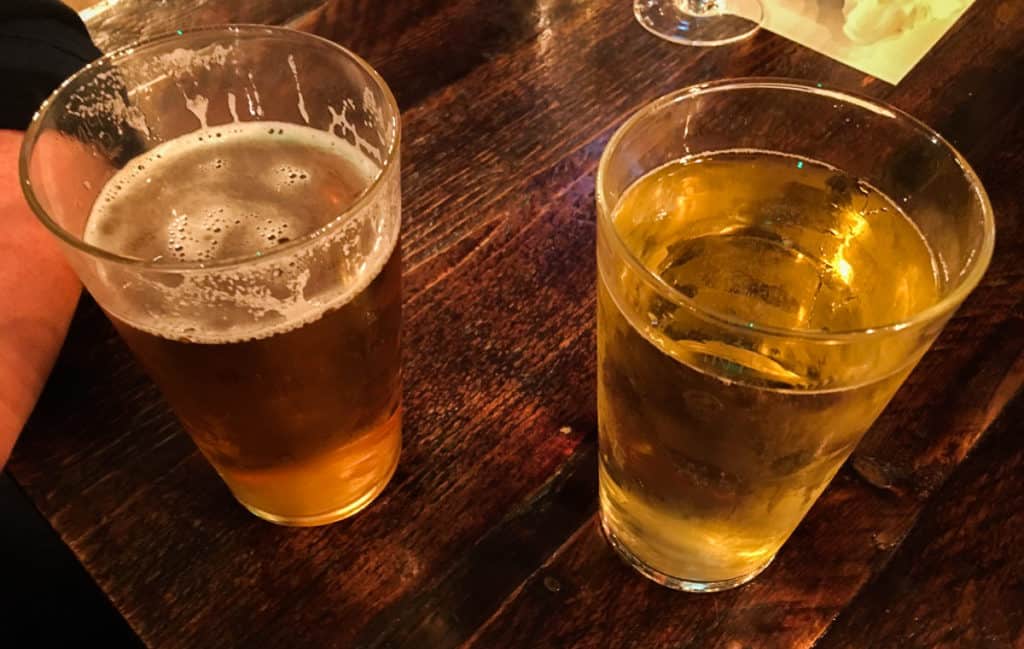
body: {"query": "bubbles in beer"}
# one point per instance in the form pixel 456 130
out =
pixel 289 176
pixel 219 193
pixel 236 192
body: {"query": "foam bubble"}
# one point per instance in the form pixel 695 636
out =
pixel 214 215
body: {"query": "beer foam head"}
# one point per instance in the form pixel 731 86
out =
pixel 200 237
pixel 241 192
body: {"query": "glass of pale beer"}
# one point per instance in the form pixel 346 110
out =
pixel 773 260
pixel 230 197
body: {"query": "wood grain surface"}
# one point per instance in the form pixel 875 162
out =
pixel 486 537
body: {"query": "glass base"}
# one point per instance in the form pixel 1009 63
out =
pixel 676 583
pixel 333 516
pixel 682 21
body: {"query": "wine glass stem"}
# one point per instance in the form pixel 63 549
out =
pixel 702 7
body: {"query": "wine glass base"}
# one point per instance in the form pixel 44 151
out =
pixel 675 21
pixel 669 581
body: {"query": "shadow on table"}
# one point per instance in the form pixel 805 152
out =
pixel 46 598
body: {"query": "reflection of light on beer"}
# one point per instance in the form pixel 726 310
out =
pixel 853 226
pixel 801 315
pixel 844 269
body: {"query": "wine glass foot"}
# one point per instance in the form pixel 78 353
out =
pixel 703 23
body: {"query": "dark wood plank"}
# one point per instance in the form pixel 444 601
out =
pixel 495 566
pixel 118 23
pixel 849 536
pixel 485 538
pixel 958 579
pixel 423 47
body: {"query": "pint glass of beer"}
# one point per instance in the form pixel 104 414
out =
pixel 230 198
pixel 773 260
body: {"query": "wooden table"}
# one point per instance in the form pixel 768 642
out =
pixel 487 536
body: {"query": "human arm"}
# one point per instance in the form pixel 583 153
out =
pixel 41 43
pixel 38 292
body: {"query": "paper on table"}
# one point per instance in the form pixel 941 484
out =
pixel 891 35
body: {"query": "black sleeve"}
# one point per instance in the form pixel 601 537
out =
pixel 42 43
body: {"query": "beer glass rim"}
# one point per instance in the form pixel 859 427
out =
pixel 977 263
pixel 229 30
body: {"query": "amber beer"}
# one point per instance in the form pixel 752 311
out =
pixel 283 361
pixel 716 439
